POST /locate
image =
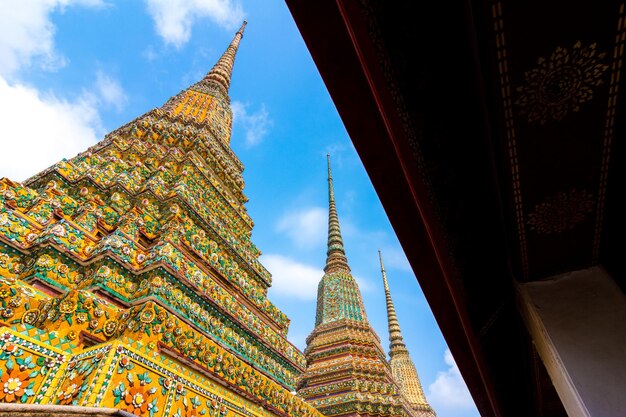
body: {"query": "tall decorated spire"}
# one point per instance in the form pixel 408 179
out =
pixel 336 255
pixel 221 72
pixel 396 343
pixel 338 294
pixel 402 367
pixel 206 104
pixel 347 372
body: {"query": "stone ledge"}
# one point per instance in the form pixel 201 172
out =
pixel 39 410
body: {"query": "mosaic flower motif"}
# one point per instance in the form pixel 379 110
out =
pixel 124 365
pixel 561 212
pixel 31 317
pixel 165 384
pixel 13 385
pixel 68 306
pixel 45 261
pixel 136 398
pixel 70 389
pixel 561 83
pixel 81 317
pixel 110 326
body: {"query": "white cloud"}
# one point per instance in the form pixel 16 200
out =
pixel 396 259
pixel 110 91
pixel 256 125
pixel 448 392
pixel 43 128
pixel 27 34
pixel 306 227
pixel 174 18
pixel 292 278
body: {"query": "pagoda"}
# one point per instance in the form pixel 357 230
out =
pixel 402 367
pixel 347 371
pixel 128 279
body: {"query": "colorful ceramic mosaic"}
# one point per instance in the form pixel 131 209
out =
pixel 128 278
pixel 347 371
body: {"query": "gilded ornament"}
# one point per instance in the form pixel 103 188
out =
pixel 147 316
pixel 68 306
pixel 15 301
pixel 104 271
pixel 88 303
pixel 561 83
pixel 561 212
pixel 31 316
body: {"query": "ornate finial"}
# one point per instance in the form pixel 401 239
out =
pixel 336 255
pixel 221 73
pixel 243 26
pixel 330 173
pixel 396 342
pixel 194 103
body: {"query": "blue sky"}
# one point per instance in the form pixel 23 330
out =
pixel 72 70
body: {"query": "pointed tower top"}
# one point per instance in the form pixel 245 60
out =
pixel 222 71
pixel 206 102
pixel 396 342
pixel 336 256
pixel 402 366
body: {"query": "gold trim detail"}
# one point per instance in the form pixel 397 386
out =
pixel 561 83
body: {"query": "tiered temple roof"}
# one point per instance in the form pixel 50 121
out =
pixel 128 278
pixel 347 372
